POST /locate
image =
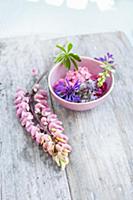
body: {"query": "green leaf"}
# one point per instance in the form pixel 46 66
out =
pixel 67 63
pixel 75 64
pixel 59 58
pixel 67 58
pixel 108 67
pixel 61 47
pixel 75 56
pixel 100 84
pixel 69 47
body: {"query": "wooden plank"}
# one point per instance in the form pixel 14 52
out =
pixel 26 172
pixel 101 165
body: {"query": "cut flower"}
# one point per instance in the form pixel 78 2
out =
pixel 42 124
pixel 79 86
pixel 68 91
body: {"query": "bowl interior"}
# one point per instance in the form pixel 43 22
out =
pixel 93 66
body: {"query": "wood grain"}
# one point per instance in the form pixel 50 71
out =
pixel 101 164
pixel 27 173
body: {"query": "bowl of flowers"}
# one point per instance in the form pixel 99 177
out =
pixel 80 83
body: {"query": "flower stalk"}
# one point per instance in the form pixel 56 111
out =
pixel 108 67
pixel 42 124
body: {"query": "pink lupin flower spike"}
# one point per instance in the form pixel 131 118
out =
pixel 42 124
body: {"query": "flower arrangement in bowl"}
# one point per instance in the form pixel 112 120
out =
pixel 78 82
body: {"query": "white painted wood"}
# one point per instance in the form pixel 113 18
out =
pixel 26 172
pixel 101 164
pixel 102 160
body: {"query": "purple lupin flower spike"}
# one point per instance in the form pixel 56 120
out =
pixel 108 58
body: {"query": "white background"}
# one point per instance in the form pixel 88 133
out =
pixel 24 17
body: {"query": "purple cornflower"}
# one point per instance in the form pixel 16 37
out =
pixel 106 59
pixel 67 91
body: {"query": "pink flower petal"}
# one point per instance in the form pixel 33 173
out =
pixel 34 72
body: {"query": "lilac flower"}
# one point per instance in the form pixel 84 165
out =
pixel 67 91
pixel 106 58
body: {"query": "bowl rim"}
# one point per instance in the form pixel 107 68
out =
pixel 74 103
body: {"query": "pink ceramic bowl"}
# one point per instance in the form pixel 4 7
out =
pixel 58 71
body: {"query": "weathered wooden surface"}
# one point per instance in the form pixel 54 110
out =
pixel 101 164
